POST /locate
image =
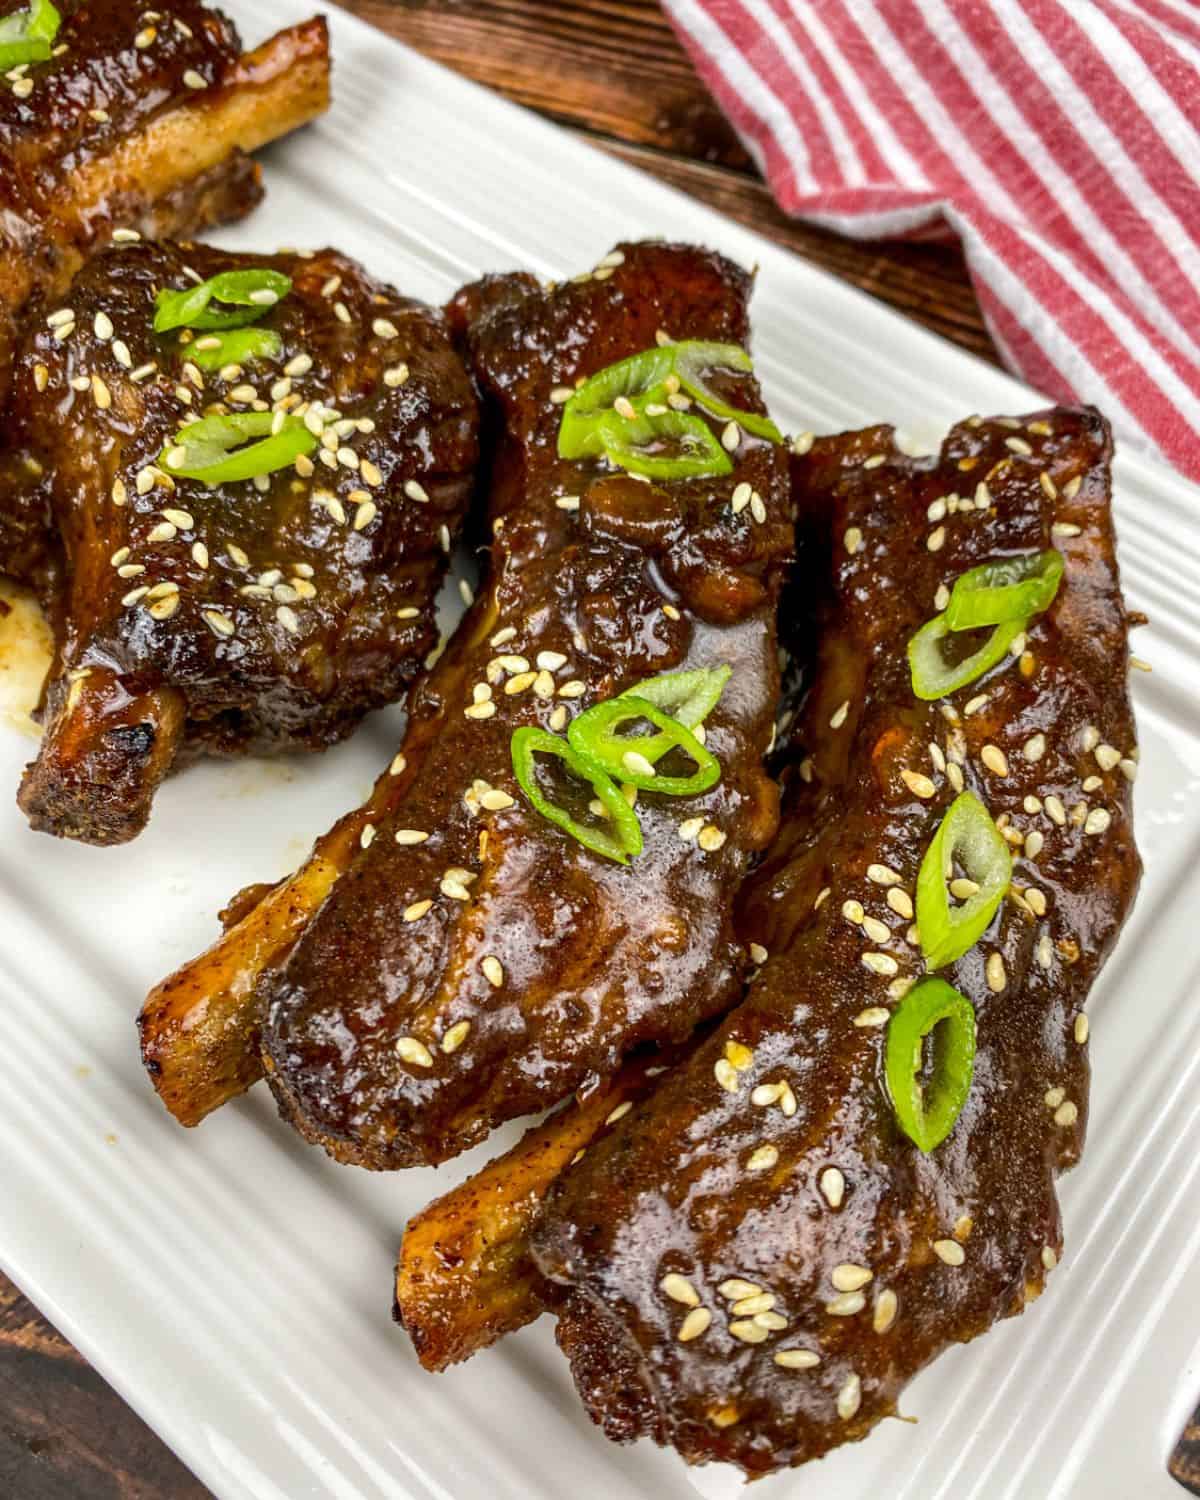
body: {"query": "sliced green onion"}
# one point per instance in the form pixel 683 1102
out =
pixel 663 444
pixel 594 738
pixel 694 358
pixel 969 838
pixel 528 742
pixel 689 697
pixel 248 296
pixel 997 592
pixel 27 36
pixel 210 450
pixel 235 347
pixel 648 436
pixel 928 1097
pixel 934 675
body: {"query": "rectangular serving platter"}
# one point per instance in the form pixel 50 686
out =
pixel 234 1285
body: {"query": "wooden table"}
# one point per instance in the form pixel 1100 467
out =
pixel 612 71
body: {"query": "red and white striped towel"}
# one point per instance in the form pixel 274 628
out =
pixel 1059 138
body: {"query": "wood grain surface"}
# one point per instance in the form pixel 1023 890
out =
pixel 613 71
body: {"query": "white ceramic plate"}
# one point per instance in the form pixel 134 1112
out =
pixel 235 1285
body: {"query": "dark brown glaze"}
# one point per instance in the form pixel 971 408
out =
pixel 595 958
pixel 772 1157
pixel 262 616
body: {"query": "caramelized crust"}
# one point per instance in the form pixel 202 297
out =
pixel 264 616
pixel 817 1259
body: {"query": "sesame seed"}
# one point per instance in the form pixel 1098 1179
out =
pixel 494 800
pixel 936 510
pixel 1082 1028
pixel 838 718
pixel 1036 900
pixel 288 618
pixel 735 1289
pixel 997 977
pixel 739 1054
pixel 385 329
pixel 849 1277
pixel 740 497
pixel 726 1075
pixel 748 1331
pixel 711 838
pixel 407 836
pixel 416 911
pixel 219 623
pixel 694 1324
pixel 774 1322
pixel 954 776
pixel 881 963
pixel 936 539
pixel 164 608
pixel 455 1036
pixel 1055 810
pixel 762 1159
pixel 882 875
pixel 1049 1257
pixel 758 954
pixel 731 436
pixel 200 554
pixel 756 1302
pixel 479 710
pixel 180 518
pixel 689 828
pixel 1054 1097
pixel 920 785
pixel 994 759
pixel 134 596
pixel 874 1015
pixel 679 1289
pixel 367 837
pixel 101 394
pixel 1034 843
pixel 1018 445
pixel 758 507
pixel 1097 821
pixel 1137 664
pixel 877 931
pixel 885 1310
pixel 130 570
pixel 1065 528
pixel 164 532
pixel 561 394
pixel 853 911
pixel 1066 1114
pixel 900 902
pixel 849 1398
pixel 845 1304
pixel 414 1052
pixel 962 888
pixel 41 377
pixel 399 763
pixel 949 1251
pixel 796 1359
pixel 364 514
pixel 1045 951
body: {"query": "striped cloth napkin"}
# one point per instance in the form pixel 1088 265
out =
pixel 1059 138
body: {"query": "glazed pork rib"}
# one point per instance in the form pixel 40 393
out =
pixel 238 617
pixel 474 963
pixel 753 1262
